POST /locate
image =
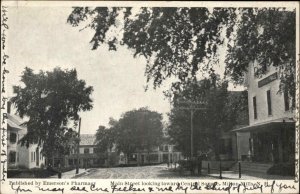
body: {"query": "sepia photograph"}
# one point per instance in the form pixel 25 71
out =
pixel 150 92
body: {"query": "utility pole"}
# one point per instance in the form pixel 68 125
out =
pixel 77 163
pixel 192 108
pixel 192 133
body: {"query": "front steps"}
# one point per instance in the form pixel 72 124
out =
pixel 251 167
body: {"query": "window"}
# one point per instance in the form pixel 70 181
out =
pixel 166 148
pixel 269 102
pixel 161 148
pixel 12 157
pixel 286 100
pixel 254 107
pixel 31 156
pixel 86 150
pixel 132 157
pixel 13 138
pixel 8 107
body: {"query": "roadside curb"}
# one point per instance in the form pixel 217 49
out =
pixel 69 175
pixel 223 177
pixel 80 174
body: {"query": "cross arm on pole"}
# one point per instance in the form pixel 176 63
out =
pixel 189 108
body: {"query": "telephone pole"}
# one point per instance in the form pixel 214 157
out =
pixel 192 108
pixel 77 163
pixel 192 133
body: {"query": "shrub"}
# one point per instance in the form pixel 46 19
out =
pixel 283 169
pixel 30 173
pixel 187 164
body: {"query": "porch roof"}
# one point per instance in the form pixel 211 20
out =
pixel 269 125
pixel 15 122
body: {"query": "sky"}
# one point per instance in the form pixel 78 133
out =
pixel 40 38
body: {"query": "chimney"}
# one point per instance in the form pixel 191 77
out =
pixel 8 107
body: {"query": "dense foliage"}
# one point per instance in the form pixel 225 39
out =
pixel 283 169
pixel 136 130
pixel 180 42
pixel 220 111
pixel 51 100
pixel 139 130
pixel 105 139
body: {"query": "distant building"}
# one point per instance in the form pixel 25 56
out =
pixel 270 135
pixel 88 156
pixel 21 156
pixel 164 153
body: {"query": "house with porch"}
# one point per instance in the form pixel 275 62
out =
pixel 228 144
pixel 88 156
pixel 165 153
pixel 270 136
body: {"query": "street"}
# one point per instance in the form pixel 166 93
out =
pixel 139 172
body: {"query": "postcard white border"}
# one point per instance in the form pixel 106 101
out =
pixel 5 186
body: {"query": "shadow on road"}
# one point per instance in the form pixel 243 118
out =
pixel 172 173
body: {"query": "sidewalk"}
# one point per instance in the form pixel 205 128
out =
pixel 247 176
pixel 71 174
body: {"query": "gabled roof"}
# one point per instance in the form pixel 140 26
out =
pixel 87 139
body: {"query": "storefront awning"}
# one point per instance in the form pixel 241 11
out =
pixel 270 125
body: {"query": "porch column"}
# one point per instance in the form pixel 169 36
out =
pixel 238 147
pixel 280 144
